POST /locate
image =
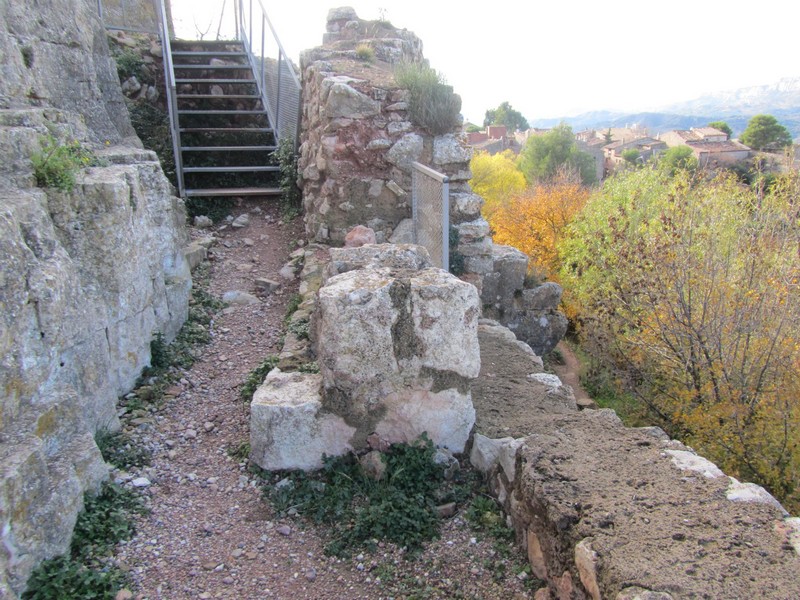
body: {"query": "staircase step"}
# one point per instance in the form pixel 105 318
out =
pixel 249 191
pixel 221 112
pixel 226 130
pixel 210 54
pixel 252 169
pixel 218 97
pixel 205 43
pixel 185 67
pixel 227 148
pixel 248 81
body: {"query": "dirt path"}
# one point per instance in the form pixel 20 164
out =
pixel 210 533
pixel 569 373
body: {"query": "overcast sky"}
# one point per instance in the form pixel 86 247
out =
pixel 557 58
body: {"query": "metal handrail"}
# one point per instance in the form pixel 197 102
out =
pixel 172 97
pixel 245 27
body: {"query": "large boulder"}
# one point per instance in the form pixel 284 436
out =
pixel 397 350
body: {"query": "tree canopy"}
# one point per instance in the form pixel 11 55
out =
pixel 545 155
pixel 505 115
pixel 678 158
pixel 763 132
pixel 723 127
pixel 687 289
pixel 496 178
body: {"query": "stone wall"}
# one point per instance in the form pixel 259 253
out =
pixel 358 141
pixel 87 277
pixel 608 511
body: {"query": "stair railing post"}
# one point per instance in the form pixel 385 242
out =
pixel 171 89
pixel 250 28
pixel 263 84
pixel 281 58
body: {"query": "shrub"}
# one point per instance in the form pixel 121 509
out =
pixel 456 259
pixel 63 578
pixel 130 64
pixel 365 52
pixel 82 574
pixel 119 449
pixel 57 163
pixel 291 196
pixel 432 103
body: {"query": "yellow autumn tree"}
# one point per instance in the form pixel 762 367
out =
pixel 534 221
pixel 496 178
pixel 690 289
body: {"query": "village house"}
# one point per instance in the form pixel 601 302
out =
pixel 710 146
pixel 493 139
pixel 647 148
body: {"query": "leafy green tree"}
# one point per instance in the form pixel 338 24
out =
pixel 545 155
pixel 505 115
pixel 631 156
pixel 687 290
pixel 723 127
pixel 678 158
pixel 608 137
pixel 763 132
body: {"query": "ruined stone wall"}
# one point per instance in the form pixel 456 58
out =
pixel 87 277
pixel 358 141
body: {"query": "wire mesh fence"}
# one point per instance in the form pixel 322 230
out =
pixel 430 201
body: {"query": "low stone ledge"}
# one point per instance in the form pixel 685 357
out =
pixel 607 511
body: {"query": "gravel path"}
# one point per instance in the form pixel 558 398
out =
pixel 209 533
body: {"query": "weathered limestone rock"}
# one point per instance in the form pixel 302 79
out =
pixel 288 427
pixel 509 267
pixel 403 233
pixel 405 151
pixel 532 314
pixel 397 351
pixel 344 101
pixel 97 273
pixel 392 256
pixel 87 278
pixel 61 60
pixel 449 149
pixel 543 297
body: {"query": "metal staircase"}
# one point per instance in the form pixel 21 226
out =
pixel 230 101
pixel 226 137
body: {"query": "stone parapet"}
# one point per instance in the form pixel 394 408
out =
pixel 613 512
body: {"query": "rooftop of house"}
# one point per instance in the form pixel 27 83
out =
pixel 714 147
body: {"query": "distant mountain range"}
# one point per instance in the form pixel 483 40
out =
pixel 782 100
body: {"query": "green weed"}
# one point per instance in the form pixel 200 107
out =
pixel 291 196
pixel 57 163
pixel 130 64
pixel 291 307
pixel 63 578
pixel 400 508
pixel 256 377
pixel 84 574
pixel 119 449
pixel 365 52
